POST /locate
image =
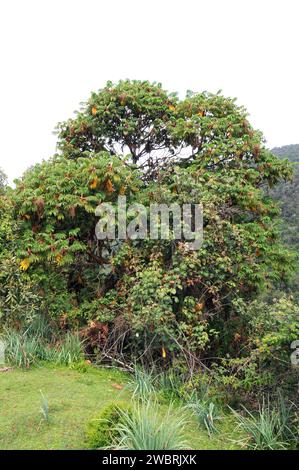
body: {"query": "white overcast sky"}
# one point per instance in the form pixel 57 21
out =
pixel 55 52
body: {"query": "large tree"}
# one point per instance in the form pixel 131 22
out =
pixel 201 149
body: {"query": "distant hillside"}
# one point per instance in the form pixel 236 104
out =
pixel 288 196
pixel 287 192
pixel 288 151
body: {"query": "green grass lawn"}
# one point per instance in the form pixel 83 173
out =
pixel 74 397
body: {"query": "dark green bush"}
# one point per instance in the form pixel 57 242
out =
pixel 101 430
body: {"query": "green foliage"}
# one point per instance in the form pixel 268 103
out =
pixel 56 201
pixel 273 326
pixel 160 288
pixel 102 429
pixel 20 302
pixel 270 327
pixel 152 384
pixel 172 291
pixel 55 205
pixel 255 356
pixel 169 383
pixel 130 117
pixel 7 224
pixel 140 118
pixel 80 366
pixel 145 429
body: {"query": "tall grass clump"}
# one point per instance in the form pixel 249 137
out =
pixel 20 349
pixel 142 384
pixel 41 328
pixel 270 427
pixel 70 350
pixel 205 412
pixel 25 348
pixel 147 428
pixel 44 407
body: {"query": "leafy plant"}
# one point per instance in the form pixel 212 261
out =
pixel 19 300
pixel 170 384
pixel 286 195
pixel 102 429
pixel 42 328
pixel 81 366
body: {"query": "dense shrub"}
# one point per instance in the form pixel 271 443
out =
pixel 20 301
pixel 102 430
pixel 256 359
pixel 269 329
